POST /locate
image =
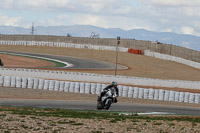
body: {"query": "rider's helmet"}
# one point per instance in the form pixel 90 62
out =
pixel 114 83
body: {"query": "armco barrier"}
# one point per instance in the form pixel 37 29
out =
pixel 172 58
pixel 61 44
pixel 96 88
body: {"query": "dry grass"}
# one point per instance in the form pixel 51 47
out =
pixel 20 123
pixel 63 121
pixel 139 65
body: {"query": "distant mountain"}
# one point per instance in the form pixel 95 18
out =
pixel 189 41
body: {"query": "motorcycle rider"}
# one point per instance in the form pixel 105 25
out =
pixel 114 86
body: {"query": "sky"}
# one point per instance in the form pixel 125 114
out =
pixel 178 16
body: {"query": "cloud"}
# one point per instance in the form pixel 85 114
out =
pixel 171 2
pixel 187 30
pixel 79 19
pixel 180 16
pixel 9 21
pixel 80 6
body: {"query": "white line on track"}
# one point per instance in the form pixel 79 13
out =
pixel 67 64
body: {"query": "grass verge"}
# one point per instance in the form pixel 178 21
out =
pixel 112 116
pixel 57 64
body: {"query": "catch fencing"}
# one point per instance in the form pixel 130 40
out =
pixel 96 88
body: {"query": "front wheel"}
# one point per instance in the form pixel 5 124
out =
pixel 109 102
pixel 100 105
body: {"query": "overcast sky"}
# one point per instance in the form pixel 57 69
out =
pixel 179 16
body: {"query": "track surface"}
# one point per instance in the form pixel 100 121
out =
pixel 87 105
pixel 83 105
pixel 77 63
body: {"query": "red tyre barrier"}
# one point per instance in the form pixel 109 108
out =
pixel 130 50
pixel 139 51
pixel 134 51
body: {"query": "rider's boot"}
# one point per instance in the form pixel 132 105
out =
pixel 99 99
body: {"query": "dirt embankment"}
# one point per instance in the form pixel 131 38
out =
pixel 19 61
pixel 139 65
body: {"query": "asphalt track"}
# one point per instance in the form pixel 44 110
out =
pixel 88 105
pixel 78 63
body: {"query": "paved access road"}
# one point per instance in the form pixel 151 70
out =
pixel 78 63
pixel 88 105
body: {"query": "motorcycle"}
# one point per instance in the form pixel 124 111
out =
pixel 106 100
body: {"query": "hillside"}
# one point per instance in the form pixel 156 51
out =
pixel 187 41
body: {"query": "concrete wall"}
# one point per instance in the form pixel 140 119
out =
pixel 128 43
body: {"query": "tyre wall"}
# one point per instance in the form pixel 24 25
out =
pixel 89 77
pixel 96 88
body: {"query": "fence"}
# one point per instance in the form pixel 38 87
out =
pixel 128 43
